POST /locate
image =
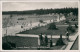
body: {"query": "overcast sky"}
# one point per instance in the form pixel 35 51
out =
pixel 20 6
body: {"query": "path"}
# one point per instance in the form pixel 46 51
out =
pixel 75 45
pixel 49 36
pixel 72 41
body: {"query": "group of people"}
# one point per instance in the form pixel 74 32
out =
pixel 44 41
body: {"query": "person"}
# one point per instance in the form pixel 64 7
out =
pixel 41 39
pixel 51 43
pixel 67 35
pixel 46 40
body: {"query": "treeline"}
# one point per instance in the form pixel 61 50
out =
pixel 45 11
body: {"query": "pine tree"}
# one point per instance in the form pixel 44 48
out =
pixel 60 41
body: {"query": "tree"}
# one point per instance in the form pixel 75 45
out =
pixel 52 26
pixel 45 11
pixel 60 41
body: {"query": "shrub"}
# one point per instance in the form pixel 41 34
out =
pixel 67 21
pixel 41 21
pixel 8 45
pixel 72 19
pixel 20 18
pixel 12 44
pixel 52 26
pixel 70 29
pixel 60 41
pixel 21 26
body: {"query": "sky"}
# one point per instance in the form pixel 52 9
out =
pixel 40 0
pixel 21 6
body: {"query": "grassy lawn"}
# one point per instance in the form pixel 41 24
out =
pixel 22 41
pixel 45 30
pixel 28 41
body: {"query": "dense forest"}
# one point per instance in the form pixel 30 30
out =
pixel 45 11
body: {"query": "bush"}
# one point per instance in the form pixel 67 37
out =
pixel 41 21
pixel 71 29
pixel 72 19
pixel 12 44
pixel 53 26
pixel 20 18
pixel 67 21
pixel 21 26
pixel 60 41
pixel 8 45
